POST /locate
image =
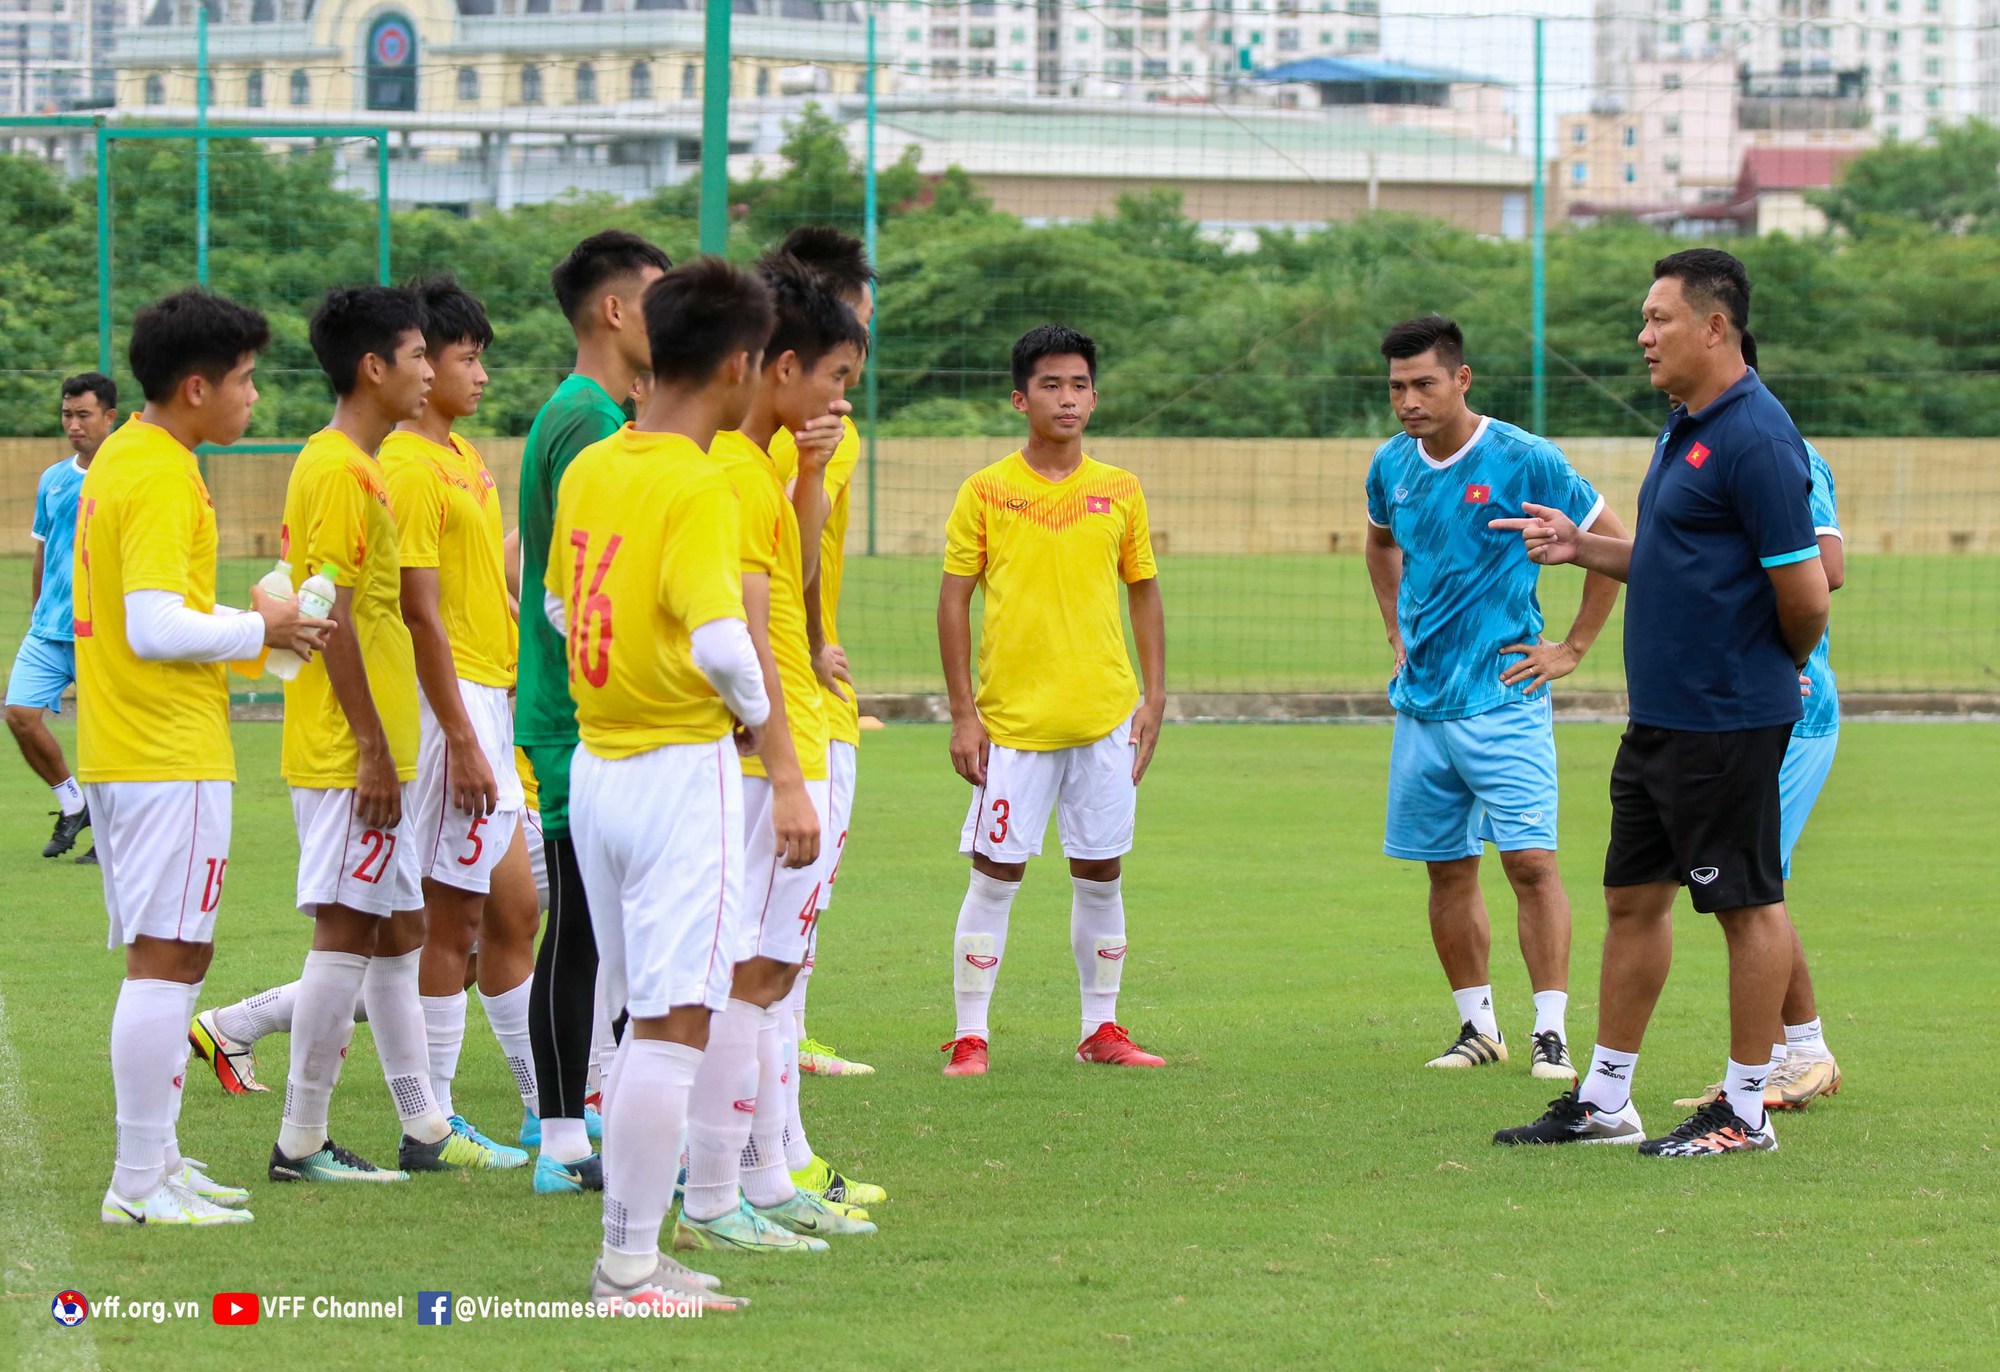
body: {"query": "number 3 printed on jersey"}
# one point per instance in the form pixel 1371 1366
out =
pixel 590 611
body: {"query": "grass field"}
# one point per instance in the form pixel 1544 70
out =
pixel 1902 623
pixel 1293 1191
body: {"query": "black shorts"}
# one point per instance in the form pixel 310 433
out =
pixel 1700 809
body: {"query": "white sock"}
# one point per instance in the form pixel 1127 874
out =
pixel 267 1012
pixel 508 1014
pixel 1808 1040
pixel 1097 941
pixel 1744 1086
pixel 69 796
pixel 719 1111
pixel 1608 1083
pixel 1475 1007
pixel 798 1148
pixel 1550 1008
pixel 980 943
pixel 148 1025
pixel 322 1027
pixel 444 1036
pixel 1778 1054
pixel 389 999
pixel 602 1043
pixel 641 1130
pixel 795 1002
pixel 565 1140
pixel 767 1177
pixel 173 1153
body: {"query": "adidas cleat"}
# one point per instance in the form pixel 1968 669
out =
pixel 822 1061
pixel 455 1152
pixel 554 1178
pixel 968 1056
pixel 1550 1058
pixel 1472 1049
pixel 811 1214
pixel 1715 1128
pixel 742 1230
pixel 1799 1081
pixel 819 1177
pixel 1111 1046
pixel 668 1285
pixel 67 828
pixel 1569 1120
pixel 504 1156
pixel 531 1126
pixel 193 1178
pixel 330 1163
pixel 235 1063
pixel 171 1204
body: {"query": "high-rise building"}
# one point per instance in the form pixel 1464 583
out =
pixel 57 55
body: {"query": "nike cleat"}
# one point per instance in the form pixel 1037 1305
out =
pixel 1715 1128
pixel 193 1178
pixel 1569 1120
pixel 531 1126
pixel 89 859
pixel 1550 1058
pixel 820 1178
pixel 741 1230
pixel 67 828
pixel 235 1063
pixel 504 1156
pixel 668 1285
pixel 1111 1046
pixel 1799 1081
pixel 810 1214
pixel 171 1204
pixel 968 1056
pixel 1472 1049
pixel 330 1163
pixel 554 1178
pixel 823 1061
pixel 455 1152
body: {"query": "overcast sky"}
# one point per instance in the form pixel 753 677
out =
pixel 1496 38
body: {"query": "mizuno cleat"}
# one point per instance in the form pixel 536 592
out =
pixel 1569 1120
pixel 235 1063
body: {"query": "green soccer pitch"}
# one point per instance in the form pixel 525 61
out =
pixel 1294 1189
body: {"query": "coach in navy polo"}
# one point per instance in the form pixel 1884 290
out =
pixel 1725 599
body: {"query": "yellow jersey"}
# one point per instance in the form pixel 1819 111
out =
pixel 843 718
pixel 448 517
pixel 530 788
pixel 771 546
pixel 1053 670
pixel 145 523
pixel 646 537
pixel 338 520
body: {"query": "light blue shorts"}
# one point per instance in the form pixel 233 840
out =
pixel 1456 784
pixel 43 669
pixel 1807 761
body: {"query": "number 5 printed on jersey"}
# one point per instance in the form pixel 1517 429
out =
pixel 590 611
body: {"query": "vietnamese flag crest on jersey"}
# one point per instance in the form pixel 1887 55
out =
pixel 1697 455
pixel 1478 495
pixel 1097 504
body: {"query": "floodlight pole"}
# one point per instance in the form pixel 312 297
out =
pixel 200 143
pixel 870 212
pixel 715 128
pixel 1540 304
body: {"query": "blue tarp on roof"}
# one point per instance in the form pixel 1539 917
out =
pixel 1361 70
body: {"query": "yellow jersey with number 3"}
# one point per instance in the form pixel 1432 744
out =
pixel 771 546
pixel 843 716
pixel 145 523
pixel 448 517
pixel 1053 669
pixel 338 520
pixel 645 551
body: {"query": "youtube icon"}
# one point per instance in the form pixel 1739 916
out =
pixel 235 1307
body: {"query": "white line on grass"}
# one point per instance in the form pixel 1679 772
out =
pixel 35 1246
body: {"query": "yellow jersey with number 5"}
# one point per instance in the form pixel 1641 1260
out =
pixel 645 551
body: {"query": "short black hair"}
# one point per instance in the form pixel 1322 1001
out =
pixel 191 332
pixel 811 319
pixel 1426 333
pixel 452 314
pixel 92 383
pixel 1051 340
pixel 354 321
pixel 1711 279
pixel 839 257
pixel 597 259
pixel 701 312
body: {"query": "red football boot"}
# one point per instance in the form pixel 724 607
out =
pixel 1112 1046
pixel 968 1056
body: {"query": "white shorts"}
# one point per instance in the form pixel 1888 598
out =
pixel 1089 788
pixel 344 862
pixel 538 858
pixel 781 904
pixel 841 760
pixel 458 849
pixel 164 850
pixel 659 839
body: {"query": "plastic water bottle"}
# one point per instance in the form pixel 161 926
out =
pixel 282 663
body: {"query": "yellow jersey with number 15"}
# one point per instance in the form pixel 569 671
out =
pixel 843 719
pixel 645 551
pixel 145 523
pixel 1053 670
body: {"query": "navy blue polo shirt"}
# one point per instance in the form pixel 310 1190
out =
pixel 1727 496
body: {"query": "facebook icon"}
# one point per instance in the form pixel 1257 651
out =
pixel 433 1307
